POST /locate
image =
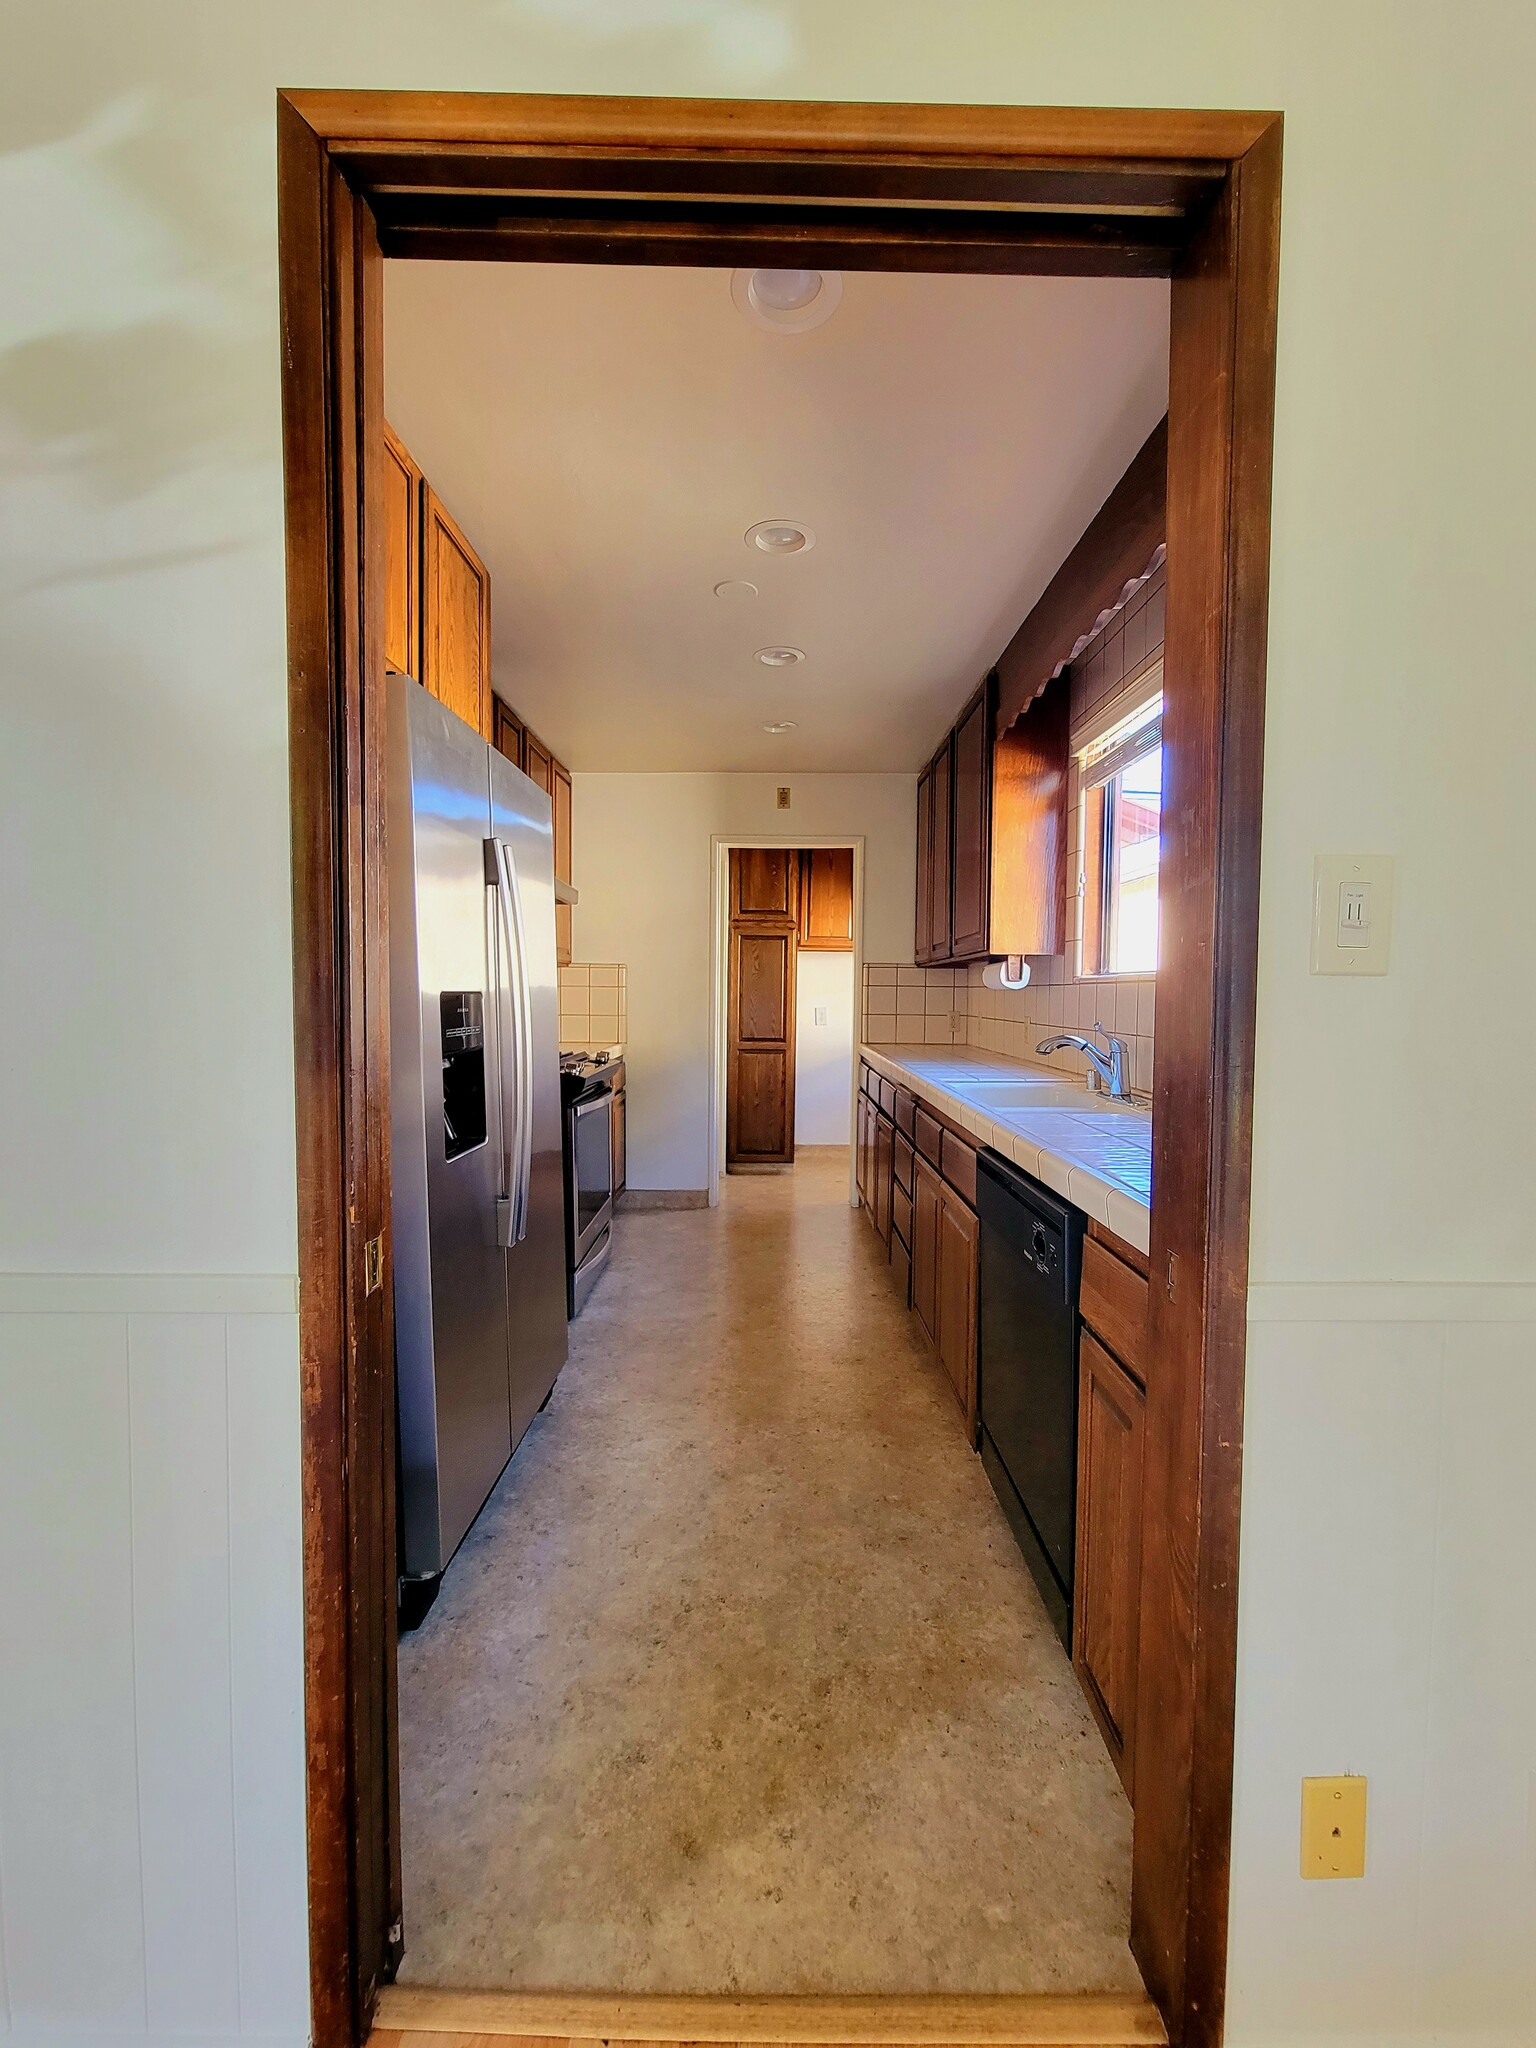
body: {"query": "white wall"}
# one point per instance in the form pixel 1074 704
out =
pixel 146 1114
pixel 643 868
pixel 823 1052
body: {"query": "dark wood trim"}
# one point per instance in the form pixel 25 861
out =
pixel 1205 187
pixel 1221 396
pixel 1118 543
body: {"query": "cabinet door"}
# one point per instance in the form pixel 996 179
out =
pixel 561 794
pixel 939 895
pixel 538 762
pixel 972 820
pixel 959 1250
pixel 922 942
pixel 861 1148
pixel 826 899
pixel 884 1161
pixel 927 1197
pixel 764 882
pixel 455 617
pixel 507 732
pixel 1106 1616
pixel 760 1110
pixel 402 557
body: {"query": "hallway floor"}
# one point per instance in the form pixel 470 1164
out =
pixel 740 1682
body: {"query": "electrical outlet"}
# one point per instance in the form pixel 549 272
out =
pixel 783 797
pixel 1333 1827
pixel 818 1014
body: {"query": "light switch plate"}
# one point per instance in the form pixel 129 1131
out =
pixel 1351 913
pixel 1333 1827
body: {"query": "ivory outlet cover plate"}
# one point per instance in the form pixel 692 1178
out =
pixel 1333 1827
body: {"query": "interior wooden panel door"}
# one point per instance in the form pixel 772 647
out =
pixel 760 1093
pixel 939 868
pixel 455 617
pixel 922 945
pixel 927 1199
pixel 764 882
pixel 507 732
pixel 1106 1616
pixel 402 557
pixel 971 835
pixel 959 1248
pixel 561 798
pixel 538 762
pixel 826 899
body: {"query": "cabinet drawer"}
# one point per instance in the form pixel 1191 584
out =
pixel 1113 1301
pixel 958 1166
pixel 866 1079
pixel 906 1109
pixel 927 1134
pixel 901 1214
pixel 903 1163
pixel 888 1097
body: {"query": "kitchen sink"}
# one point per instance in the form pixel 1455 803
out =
pixel 1041 1094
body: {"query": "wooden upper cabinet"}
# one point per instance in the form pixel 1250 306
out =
pixel 455 617
pixel 538 762
pixel 561 794
pixel 507 732
pixel 402 557
pixel 765 883
pixel 826 899
pixel 992 833
pixel 942 782
pixel 970 837
pixel 922 937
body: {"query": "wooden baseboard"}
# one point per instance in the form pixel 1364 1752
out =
pixel 1088 2020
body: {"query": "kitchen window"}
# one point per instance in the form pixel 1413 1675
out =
pixel 1122 795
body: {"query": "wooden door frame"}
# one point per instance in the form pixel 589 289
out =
pixel 1192 195
pixel 721 847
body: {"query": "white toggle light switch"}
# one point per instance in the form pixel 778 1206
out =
pixel 1351 912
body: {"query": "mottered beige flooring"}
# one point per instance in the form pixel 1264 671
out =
pixel 740 1684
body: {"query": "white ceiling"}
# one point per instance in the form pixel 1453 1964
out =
pixel 606 435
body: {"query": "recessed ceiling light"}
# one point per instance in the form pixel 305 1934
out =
pixel 787 301
pixel 779 657
pixel 781 725
pixel 780 537
pixel 735 587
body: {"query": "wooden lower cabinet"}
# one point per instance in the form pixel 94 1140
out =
pixel 1106 1616
pixel 882 1169
pixel 927 1200
pixel 959 1255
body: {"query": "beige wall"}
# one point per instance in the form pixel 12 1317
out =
pixel 147 1102
pixel 643 870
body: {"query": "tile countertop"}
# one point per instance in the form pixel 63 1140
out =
pixel 1098 1157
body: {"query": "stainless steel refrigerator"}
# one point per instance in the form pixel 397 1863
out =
pixel 477 1187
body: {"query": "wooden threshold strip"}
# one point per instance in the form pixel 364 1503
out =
pixel 1016 2020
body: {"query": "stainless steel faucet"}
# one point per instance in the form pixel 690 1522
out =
pixel 1110 1066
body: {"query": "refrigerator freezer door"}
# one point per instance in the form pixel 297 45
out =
pixel 450 1300
pixel 528 1040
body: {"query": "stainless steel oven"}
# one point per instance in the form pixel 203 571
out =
pixel 588 1087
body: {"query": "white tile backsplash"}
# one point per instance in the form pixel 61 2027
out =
pixel 594 1002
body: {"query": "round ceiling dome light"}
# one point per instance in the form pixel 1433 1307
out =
pixel 787 301
pixel 780 537
pixel 779 657
pixel 735 587
pixel 781 725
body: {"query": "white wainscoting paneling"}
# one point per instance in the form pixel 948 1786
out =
pixel 152 1877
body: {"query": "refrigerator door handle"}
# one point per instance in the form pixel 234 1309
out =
pixel 512 1208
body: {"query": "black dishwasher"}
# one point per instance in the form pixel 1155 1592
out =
pixel 1031 1257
